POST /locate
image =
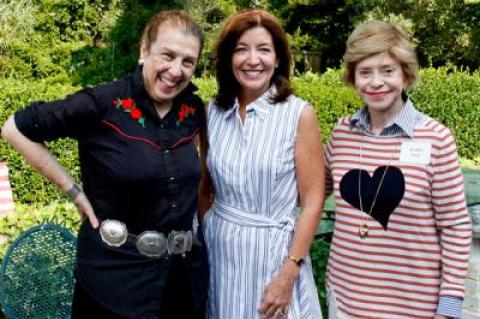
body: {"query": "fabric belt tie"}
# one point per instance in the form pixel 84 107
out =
pixel 241 217
pixel 279 238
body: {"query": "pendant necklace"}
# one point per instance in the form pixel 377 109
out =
pixel 363 229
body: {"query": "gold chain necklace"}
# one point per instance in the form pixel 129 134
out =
pixel 363 229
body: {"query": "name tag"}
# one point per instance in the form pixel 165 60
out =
pixel 416 152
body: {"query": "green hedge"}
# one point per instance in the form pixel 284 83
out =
pixel 449 95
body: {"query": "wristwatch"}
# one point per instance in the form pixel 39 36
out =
pixel 74 191
pixel 297 260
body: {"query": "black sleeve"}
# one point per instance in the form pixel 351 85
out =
pixel 47 121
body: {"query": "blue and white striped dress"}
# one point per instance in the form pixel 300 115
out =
pixel 250 226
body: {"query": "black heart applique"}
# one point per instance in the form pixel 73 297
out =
pixel 389 195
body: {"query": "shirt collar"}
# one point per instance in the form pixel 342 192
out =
pixel 403 122
pixel 261 106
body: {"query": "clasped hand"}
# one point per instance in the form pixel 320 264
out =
pixel 277 295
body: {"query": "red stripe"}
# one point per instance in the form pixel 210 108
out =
pixel 187 138
pixel 401 239
pixel 399 256
pixel 385 295
pixel 450 204
pixel 447 179
pixel 376 275
pixel 405 314
pixel 407 262
pixel 135 138
pixel 450 195
pixel 147 141
pixel 450 162
pixel 418 229
pixel 386 288
pixel 457 185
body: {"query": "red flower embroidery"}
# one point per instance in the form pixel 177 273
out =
pixel 127 103
pixel 181 116
pixel 184 112
pixel 128 106
pixel 135 113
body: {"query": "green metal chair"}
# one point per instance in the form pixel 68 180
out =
pixel 36 279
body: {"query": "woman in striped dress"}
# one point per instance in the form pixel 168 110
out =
pixel 402 233
pixel 264 151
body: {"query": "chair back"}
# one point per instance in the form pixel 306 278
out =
pixel 36 279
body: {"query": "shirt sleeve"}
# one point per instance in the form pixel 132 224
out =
pixel 451 215
pixel 450 307
pixel 328 172
pixel 47 121
pixel 328 159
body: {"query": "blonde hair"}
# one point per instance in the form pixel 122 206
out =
pixel 376 37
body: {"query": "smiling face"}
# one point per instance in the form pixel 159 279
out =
pixel 169 63
pixel 253 62
pixel 379 82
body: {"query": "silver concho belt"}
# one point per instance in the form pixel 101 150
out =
pixel 149 243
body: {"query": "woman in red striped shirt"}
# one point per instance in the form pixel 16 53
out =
pixel 402 233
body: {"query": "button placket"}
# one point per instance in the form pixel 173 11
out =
pixel 171 182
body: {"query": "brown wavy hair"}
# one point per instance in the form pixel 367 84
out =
pixel 232 30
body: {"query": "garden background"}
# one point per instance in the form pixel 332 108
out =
pixel 50 48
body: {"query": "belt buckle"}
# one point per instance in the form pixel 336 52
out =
pixel 151 243
pixel 179 242
pixel 113 232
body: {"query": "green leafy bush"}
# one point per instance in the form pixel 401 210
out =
pixel 452 96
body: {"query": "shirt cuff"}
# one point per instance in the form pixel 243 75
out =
pixel 450 307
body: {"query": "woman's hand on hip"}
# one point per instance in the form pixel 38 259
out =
pixel 85 209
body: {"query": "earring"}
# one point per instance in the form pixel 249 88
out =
pixel 276 66
pixel 140 61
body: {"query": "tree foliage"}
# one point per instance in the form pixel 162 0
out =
pixel 445 31
pixel 91 41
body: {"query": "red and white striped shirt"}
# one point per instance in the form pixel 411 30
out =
pixel 399 272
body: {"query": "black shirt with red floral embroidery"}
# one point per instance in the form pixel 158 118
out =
pixel 136 168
